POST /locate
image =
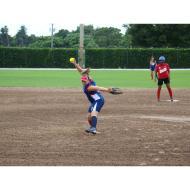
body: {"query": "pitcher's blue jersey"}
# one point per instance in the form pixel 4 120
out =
pixel 92 95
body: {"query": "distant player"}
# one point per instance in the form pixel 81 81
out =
pixel 152 67
pixel 94 96
pixel 162 71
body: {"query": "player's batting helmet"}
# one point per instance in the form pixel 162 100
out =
pixel 162 59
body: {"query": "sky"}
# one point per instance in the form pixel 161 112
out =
pixel 38 15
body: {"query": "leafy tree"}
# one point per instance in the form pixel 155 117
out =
pixel 41 42
pixel 89 42
pixel 32 38
pixel 62 33
pixel 58 42
pixel 107 37
pixel 88 30
pixel 126 41
pixel 71 40
pixel 5 37
pixel 142 35
pixel 159 35
pixel 173 35
pixel 137 35
pixel 21 37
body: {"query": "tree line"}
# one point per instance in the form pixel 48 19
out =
pixel 136 35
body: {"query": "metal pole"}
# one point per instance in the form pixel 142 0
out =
pixel 81 47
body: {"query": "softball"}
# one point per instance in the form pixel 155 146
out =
pixel 72 60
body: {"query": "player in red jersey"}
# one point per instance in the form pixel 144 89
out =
pixel 162 71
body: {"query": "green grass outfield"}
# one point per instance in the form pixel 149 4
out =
pixel 71 78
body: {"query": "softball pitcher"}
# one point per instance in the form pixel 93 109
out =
pixel 94 96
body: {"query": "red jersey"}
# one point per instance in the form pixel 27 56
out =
pixel 162 70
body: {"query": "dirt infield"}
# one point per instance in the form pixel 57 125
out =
pixel 46 127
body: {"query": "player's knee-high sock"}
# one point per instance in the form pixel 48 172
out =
pixel 170 92
pixel 94 121
pixel 158 93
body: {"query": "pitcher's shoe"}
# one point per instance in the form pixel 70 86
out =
pixel 91 130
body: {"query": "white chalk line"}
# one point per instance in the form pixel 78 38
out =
pixel 176 119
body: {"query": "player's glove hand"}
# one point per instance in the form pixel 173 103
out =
pixel 115 91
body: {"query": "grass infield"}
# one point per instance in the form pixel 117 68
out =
pixel 71 78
